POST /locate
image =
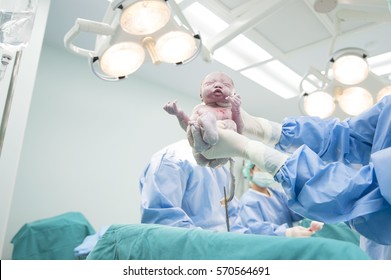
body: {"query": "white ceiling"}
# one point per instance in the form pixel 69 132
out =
pixel 291 30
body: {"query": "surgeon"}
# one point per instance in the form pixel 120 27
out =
pixel 331 170
pixel 264 209
pixel 178 192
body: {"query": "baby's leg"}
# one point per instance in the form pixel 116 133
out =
pixel 195 138
pixel 227 124
pixel 213 163
pixel 208 123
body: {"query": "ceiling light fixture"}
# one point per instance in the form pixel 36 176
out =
pixel 129 30
pixel 350 66
pixel 347 81
pixel 145 17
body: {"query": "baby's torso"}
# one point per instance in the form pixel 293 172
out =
pixel 221 113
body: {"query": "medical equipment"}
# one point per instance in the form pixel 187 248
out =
pixel 231 183
pixel 347 82
pixel 16 24
pixel 10 93
pixel 5 60
pixel 226 209
pixel 129 30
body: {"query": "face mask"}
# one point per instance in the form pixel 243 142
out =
pixel 262 179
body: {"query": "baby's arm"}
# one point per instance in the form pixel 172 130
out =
pixel 173 109
pixel 236 101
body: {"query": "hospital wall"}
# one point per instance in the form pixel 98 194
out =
pixel 87 142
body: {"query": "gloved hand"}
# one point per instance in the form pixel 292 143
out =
pixel 231 144
pixel 199 145
pixel 298 231
pixel 261 129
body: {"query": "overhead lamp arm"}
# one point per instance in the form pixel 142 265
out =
pixel 117 4
pixel 316 73
pixel 178 12
pixel 174 6
pixel 345 15
pixel 85 25
pixel 120 50
pixel 349 15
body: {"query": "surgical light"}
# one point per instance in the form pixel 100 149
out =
pixel 145 17
pixel 350 66
pixel 384 92
pixel 175 46
pixel 133 32
pixel 353 93
pixel 122 59
pixel 320 104
pixel 355 100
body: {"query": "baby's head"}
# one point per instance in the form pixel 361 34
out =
pixel 216 87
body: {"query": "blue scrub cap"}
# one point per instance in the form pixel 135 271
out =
pixel 248 165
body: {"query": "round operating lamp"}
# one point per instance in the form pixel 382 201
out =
pixel 355 100
pixel 319 104
pixel 145 17
pixel 350 66
pixel 175 46
pixel 122 59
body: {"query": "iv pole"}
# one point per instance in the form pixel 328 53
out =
pixel 17 21
pixel 8 102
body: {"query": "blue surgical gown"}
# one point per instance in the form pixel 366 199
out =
pixel 176 191
pixel 339 170
pixel 266 215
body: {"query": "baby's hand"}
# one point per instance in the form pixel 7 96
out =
pixel 235 101
pixel 171 108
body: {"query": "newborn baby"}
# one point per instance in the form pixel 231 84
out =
pixel 220 107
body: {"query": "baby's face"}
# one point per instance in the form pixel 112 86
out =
pixel 216 87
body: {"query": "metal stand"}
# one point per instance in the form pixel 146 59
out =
pixel 8 102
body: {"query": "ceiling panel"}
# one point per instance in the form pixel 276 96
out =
pixel 293 26
pixel 233 4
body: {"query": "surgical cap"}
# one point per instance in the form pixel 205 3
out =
pixel 247 166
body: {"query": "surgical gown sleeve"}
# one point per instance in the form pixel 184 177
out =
pixel 332 140
pixel 266 215
pixel 163 189
pixel 250 218
pixel 331 175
